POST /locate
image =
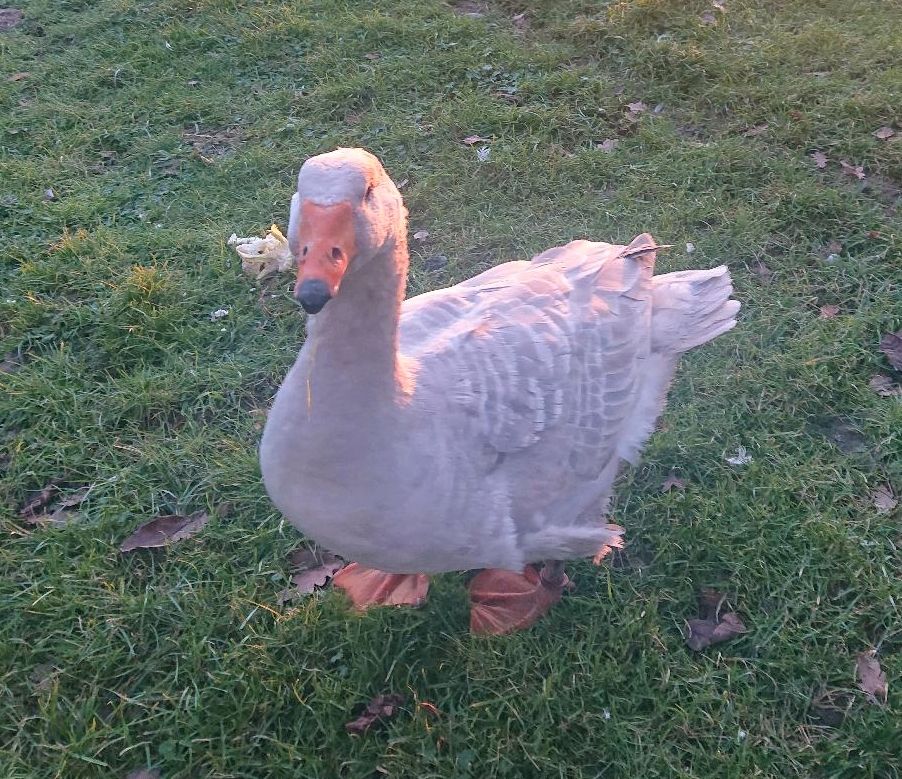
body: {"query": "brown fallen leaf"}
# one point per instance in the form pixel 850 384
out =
pixel 10 363
pixel 884 386
pixel 820 159
pixel 708 18
pixel 891 346
pixel 470 140
pixel 705 632
pixel 673 482
pixel 871 678
pixel 9 18
pixel 380 708
pixel 165 530
pixel 764 274
pixel 421 235
pixel 144 773
pixel 311 568
pixel 607 145
pixel 21 76
pixel 834 247
pixel 373 56
pixel 883 499
pixel 755 131
pixel 521 22
pixel 636 108
pixel 856 171
pixel 39 501
pixel 713 626
pixel 829 311
pixel 884 133
pixel 59 514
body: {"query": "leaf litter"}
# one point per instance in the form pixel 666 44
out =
pixel 379 709
pixel 871 678
pixel 855 171
pixel 884 133
pixel 891 346
pixel 165 530
pixel 310 569
pixel 884 500
pixel 884 386
pixel 673 482
pixel 829 311
pixel 713 625
pixel 820 159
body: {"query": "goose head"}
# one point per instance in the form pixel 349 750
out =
pixel 345 211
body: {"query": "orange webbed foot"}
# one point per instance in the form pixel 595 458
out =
pixel 506 601
pixel 368 587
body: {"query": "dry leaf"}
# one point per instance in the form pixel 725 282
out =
pixel 752 132
pixel 310 569
pixel 607 145
pixel 429 708
pixel 10 363
pixel 764 274
pixel 382 707
pixel 9 18
pixel 18 76
pixel 871 679
pixel 39 501
pixel 162 531
pixel 520 22
pixel 718 4
pixel 144 773
pixel 884 133
pixel 834 247
pixel 742 457
pixel 373 56
pixel 673 482
pixel 885 386
pixel 829 311
pixel 473 139
pixel 884 500
pixel 435 262
pixel 820 159
pixel 636 108
pixel 705 632
pixel 708 18
pixel 857 171
pixel 421 235
pixel 891 346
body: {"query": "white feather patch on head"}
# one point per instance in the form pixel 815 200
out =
pixel 340 175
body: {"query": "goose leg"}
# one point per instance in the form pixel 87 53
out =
pixel 368 587
pixel 506 601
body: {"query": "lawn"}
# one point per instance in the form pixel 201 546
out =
pixel 163 127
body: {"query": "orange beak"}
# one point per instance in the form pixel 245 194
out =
pixel 324 246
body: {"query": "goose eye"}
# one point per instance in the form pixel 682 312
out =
pixel 336 253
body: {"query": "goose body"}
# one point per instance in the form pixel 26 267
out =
pixel 477 426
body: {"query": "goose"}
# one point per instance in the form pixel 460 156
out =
pixel 479 426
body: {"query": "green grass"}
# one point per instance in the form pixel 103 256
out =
pixel 180 658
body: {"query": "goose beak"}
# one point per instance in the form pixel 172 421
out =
pixel 324 246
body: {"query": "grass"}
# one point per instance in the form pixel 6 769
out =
pixel 163 127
